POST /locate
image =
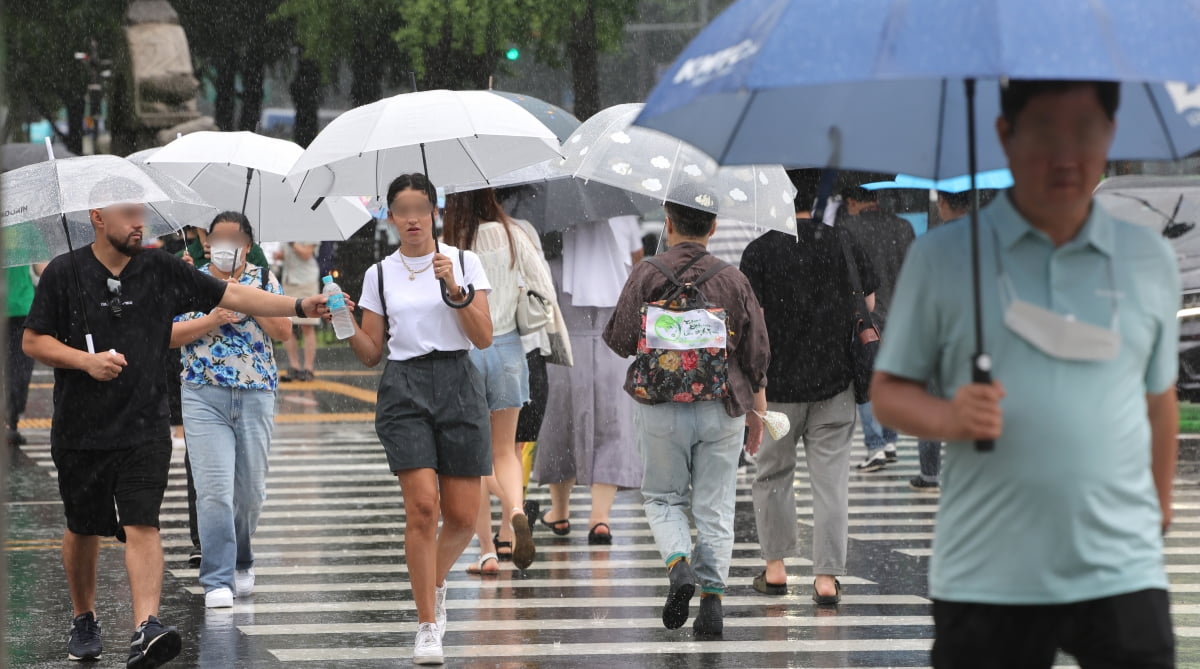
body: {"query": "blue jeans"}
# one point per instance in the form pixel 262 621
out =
pixel 690 455
pixel 875 435
pixel 228 433
pixel 930 455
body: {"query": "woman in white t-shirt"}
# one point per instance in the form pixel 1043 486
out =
pixel 474 220
pixel 431 414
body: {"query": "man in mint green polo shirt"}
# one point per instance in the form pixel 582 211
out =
pixel 1054 539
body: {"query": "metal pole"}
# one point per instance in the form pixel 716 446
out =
pixel 982 362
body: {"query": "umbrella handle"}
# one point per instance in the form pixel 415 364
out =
pixel 458 305
pixel 981 372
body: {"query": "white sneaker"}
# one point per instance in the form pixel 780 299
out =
pixel 221 598
pixel 243 581
pixel 889 452
pixel 439 608
pixel 873 463
pixel 428 648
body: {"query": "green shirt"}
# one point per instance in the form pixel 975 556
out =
pixel 20 291
pixel 1065 508
pixel 255 257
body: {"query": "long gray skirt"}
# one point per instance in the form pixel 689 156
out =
pixel 588 434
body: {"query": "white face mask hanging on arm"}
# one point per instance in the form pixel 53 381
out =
pixel 1058 336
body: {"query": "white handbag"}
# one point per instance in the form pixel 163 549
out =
pixel 534 312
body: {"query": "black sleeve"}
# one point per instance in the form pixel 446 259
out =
pixel 866 269
pixel 188 288
pixel 49 311
pixel 751 266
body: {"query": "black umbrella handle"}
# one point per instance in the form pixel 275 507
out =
pixel 981 372
pixel 470 289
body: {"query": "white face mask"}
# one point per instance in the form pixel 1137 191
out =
pixel 1058 336
pixel 225 256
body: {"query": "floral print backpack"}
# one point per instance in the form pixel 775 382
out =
pixel 682 349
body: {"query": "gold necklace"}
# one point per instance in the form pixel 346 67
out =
pixel 412 273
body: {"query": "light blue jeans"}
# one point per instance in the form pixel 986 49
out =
pixel 690 455
pixel 228 432
pixel 875 435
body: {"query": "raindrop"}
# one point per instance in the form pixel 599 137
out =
pixel 762 178
pixel 787 197
pixel 693 170
pixel 583 152
pixel 791 224
pixel 660 162
pixel 624 169
pixel 774 212
pixel 738 195
pixel 575 139
pixel 652 185
pixel 620 137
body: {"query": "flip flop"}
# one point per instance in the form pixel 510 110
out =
pixel 523 548
pixel 476 569
pixel 554 527
pixel 600 539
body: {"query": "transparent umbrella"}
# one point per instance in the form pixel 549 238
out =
pixel 607 148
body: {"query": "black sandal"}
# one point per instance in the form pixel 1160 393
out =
pixel 503 557
pixel 600 539
pixel 766 587
pixel 554 527
pixel 828 600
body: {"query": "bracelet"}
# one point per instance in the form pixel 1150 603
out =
pixel 300 308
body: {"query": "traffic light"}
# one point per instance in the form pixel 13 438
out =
pixel 513 53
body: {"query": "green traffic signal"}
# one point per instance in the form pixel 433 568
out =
pixel 512 54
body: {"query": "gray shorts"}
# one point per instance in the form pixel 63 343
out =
pixel 432 414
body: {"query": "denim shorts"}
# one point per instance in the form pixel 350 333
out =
pixel 505 372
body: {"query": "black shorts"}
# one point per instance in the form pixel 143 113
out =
pixel 105 490
pixel 1129 630
pixel 432 414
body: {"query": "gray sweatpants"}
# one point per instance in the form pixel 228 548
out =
pixel 826 429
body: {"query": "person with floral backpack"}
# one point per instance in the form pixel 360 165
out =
pixel 701 355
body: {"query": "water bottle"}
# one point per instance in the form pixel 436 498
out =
pixel 343 320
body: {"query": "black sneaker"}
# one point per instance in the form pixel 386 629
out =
pixel 194 558
pixel 683 587
pixel 921 484
pixel 889 452
pixel 84 645
pixel 710 622
pixel 153 645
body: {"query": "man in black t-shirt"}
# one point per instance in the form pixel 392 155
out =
pixel 803 285
pixel 110 438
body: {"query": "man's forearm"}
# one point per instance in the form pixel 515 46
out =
pixel 256 302
pixel 52 352
pixel 907 407
pixel 1164 443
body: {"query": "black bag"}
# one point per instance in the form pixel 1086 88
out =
pixel 864 334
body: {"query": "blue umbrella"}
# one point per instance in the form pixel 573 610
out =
pixel 890 85
pixel 994 179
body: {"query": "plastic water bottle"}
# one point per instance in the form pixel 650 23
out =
pixel 343 320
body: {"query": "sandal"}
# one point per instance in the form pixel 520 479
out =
pixel 554 527
pixel 766 587
pixel 600 539
pixel 500 546
pixel 828 600
pixel 476 569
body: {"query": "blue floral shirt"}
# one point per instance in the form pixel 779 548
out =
pixel 235 356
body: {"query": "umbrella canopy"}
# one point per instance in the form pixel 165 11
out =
pixel 243 171
pixel 994 179
pixel 13 156
pixel 549 198
pixel 1168 204
pixel 746 76
pixel 40 199
pixel 457 137
pixel 608 149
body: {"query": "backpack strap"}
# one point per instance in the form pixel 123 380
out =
pixel 387 327
pixel 681 285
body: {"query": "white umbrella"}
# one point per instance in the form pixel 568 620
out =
pixel 454 137
pixel 609 149
pixel 243 171
pixel 46 206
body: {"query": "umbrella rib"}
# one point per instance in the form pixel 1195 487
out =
pixel 1162 122
pixel 737 127
pixel 941 123
pixel 467 150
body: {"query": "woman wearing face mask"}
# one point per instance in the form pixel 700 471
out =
pixel 229 380
pixel 432 414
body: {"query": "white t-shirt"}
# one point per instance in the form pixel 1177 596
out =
pixel 628 230
pixel 419 321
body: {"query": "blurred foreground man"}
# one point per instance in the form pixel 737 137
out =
pixel 1053 540
pixel 111 435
